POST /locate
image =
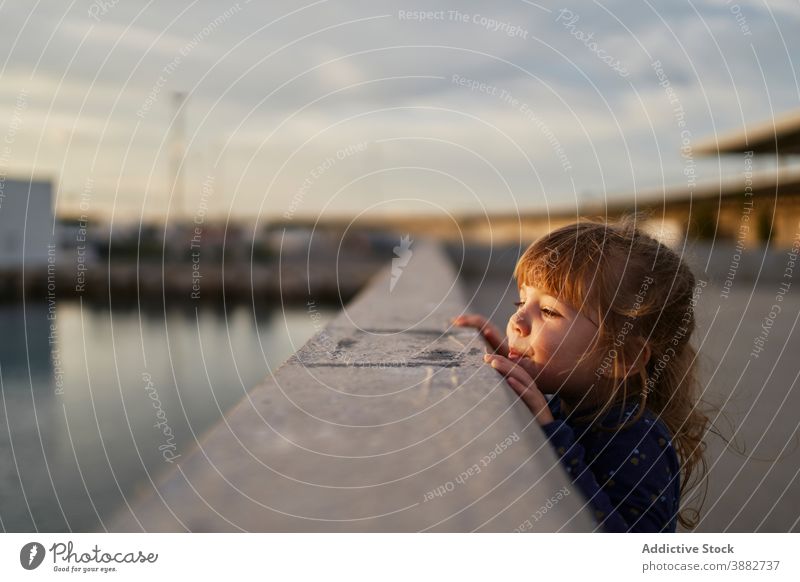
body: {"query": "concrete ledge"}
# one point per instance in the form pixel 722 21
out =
pixel 387 420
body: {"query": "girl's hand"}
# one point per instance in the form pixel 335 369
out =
pixel 523 384
pixel 489 331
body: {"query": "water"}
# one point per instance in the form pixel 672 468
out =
pixel 87 421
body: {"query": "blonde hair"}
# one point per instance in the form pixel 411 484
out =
pixel 638 291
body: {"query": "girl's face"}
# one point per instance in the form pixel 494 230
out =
pixel 554 336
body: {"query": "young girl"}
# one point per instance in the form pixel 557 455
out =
pixel 604 318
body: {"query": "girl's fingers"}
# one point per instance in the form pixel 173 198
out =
pixel 508 368
pixel 525 392
pixel 479 322
pixel 495 340
pixel 526 364
pixel 470 320
pixel 523 385
pixel 489 331
pixel 533 399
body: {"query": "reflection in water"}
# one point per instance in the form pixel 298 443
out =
pixel 117 398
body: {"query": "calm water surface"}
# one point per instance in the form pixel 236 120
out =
pixel 96 407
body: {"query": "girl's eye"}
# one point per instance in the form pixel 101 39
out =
pixel 545 310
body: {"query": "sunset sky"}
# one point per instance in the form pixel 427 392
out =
pixel 328 108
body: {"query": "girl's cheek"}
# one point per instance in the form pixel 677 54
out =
pixel 541 355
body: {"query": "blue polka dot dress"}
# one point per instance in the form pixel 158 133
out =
pixel 631 476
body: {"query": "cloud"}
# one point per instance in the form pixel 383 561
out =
pixel 253 71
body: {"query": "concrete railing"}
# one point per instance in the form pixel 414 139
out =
pixel 387 420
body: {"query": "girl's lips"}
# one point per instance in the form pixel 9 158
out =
pixel 513 352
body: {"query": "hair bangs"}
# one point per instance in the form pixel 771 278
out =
pixel 564 269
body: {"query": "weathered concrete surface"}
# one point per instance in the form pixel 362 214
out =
pixel 388 420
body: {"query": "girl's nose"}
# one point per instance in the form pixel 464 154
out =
pixel 521 325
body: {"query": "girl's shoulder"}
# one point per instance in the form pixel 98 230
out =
pixel 638 432
pixel 620 423
pixel 629 419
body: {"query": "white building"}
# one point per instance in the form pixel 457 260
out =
pixel 26 222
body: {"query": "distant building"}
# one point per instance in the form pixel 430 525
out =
pixel 760 207
pixel 26 222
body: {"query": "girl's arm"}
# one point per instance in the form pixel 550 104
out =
pixel 632 479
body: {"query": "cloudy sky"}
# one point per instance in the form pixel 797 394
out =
pixel 328 108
